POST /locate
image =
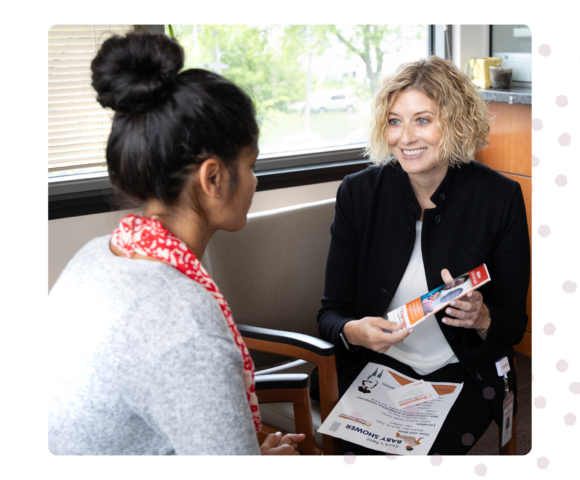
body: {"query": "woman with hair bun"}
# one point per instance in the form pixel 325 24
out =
pixel 424 211
pixel 147 357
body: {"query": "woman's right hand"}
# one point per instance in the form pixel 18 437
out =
pixel 276 444
pixel 369 332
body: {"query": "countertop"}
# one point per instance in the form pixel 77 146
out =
pixel 521 95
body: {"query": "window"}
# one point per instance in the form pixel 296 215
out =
pixel 311 84
pixel 513 43
pixel 78 127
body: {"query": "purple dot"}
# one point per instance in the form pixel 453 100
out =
pixel 544 50
pixel 549 329
pixel 562 366
pixel 535 161
pixel 570 419
pixel 436 459
pixel 543 463
pixel 575 388
pixel 488 393
pixel 561 101
pixel 561 180
pixel 480 470
pixel 569 287
pixel 544 231
pixel 467 439
pixel 564 139
pixel 349 458
pixel 392 453
pixel 356 414
pixel 540 402
pixel 537 124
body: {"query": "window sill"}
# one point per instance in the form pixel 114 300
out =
pixel 89 195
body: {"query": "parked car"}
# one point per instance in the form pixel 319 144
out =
pixel 325 100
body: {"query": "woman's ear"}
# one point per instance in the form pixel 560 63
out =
pixel 211 176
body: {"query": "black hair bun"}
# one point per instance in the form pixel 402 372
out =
pixel 136 73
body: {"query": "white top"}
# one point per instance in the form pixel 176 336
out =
pixel 426 349
pixel 141 363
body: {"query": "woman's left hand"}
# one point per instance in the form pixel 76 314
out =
pixel 469 311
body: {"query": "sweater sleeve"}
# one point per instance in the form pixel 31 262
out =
pixel 507 296
pixel 191 391
pixel 339 300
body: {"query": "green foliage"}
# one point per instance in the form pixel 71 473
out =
pixel 270 72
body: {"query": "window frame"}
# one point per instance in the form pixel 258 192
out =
pixel 85 194
pixel 515 83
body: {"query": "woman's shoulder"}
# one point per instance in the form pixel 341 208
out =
pixel 153 296
pixel 489 177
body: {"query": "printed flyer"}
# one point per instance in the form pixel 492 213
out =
pixel 367 416
pixel 413 313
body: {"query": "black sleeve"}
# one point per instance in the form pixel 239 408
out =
pixel 507 296
pixel 339 300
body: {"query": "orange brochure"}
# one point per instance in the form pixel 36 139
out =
pixel 425 306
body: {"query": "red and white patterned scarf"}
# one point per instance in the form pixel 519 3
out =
pixel 146 236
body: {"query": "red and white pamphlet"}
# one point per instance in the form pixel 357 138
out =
pixel 413 313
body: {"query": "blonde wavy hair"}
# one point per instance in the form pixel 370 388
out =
pixel 462 116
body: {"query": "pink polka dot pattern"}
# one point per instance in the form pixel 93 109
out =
pixel 544 231
pixel 570 419
pixel 561 101
pixel 467 439
pixel 488 393
pixel 544 50
pixel 575 388
pixel 480 470
pixel 561 180
pixel 436 460
pixel 540 402
pixel 569 287
pixel 349 458
pixel 563 139
pixel 562 366
pixel 535 161
pixel 549 329
pixel 543 463
pixel 537 124
pixel 391 453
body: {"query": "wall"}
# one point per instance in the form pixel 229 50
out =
pixel 67 235
pixel 467 41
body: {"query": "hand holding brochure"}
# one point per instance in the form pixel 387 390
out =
pixel 413 313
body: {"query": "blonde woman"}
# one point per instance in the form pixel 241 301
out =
pixel 423 213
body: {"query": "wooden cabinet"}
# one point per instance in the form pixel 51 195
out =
pixel 510 152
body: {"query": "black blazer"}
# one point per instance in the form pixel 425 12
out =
pixel 479 218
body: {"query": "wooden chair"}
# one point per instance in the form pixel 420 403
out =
pixel 274 388
pixel 272 274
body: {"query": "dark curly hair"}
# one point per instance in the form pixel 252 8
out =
pixel 166 122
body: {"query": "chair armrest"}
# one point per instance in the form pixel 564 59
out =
pixel 281 380
pixel 306 342
pixel 305 347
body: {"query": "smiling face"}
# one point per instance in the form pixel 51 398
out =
pixel 413 135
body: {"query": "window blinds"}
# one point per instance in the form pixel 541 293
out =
pixel 78 127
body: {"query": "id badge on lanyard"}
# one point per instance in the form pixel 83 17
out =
pixel 503 367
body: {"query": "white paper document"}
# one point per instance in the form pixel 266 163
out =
pixel 412 394
pixel 366 415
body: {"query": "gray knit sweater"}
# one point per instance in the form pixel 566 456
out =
pixel 142 362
